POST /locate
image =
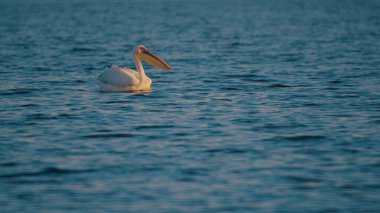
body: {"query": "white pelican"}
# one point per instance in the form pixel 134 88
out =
pixel 119 79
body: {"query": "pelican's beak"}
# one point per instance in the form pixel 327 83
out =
pixel 154 60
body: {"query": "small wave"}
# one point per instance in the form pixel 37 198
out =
pixel 300 179
pixel 214 150
pixel 335 82
pixel 34 181
pixel 228 151
pixel 311 104
pixel 375 121
pixel 234 44
pixel 40 68
pixel 209 81
pixel 231 88
pixel 194 171
pixel 372 186
pixel 243 120
pixel 331 88
pixel 304 137
pixel 19 91
pixel 82 49
pixel 40 116
pixel 29 105
pixel 181 134
pixel 116 102
pixel 241 76
pixel 260 80
pixel 110 135
pixel 65 115
pixel 347 96
pixel 9 164
pixel 154 127
pixel 274 126
pixel 16 92
pixel 46 171
pixel 279 86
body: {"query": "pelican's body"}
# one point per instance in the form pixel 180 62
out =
pixel 119 79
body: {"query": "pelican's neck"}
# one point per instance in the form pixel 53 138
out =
pixel 139 68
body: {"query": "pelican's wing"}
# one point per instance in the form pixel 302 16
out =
pixel 119 77
pixel 132 72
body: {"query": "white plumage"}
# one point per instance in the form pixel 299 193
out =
pixel 118 79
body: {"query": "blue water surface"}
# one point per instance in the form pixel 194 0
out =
pixel 273 106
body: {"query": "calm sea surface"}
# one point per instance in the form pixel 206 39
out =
pixel 272 106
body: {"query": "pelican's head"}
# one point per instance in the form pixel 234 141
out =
pixel 144 54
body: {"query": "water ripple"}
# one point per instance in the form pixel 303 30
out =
pixel 109 135
pixel 304 137
pixel 46 172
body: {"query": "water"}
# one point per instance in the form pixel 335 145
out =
pixel 272 106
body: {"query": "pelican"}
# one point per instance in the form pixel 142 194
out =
pixel 120 79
